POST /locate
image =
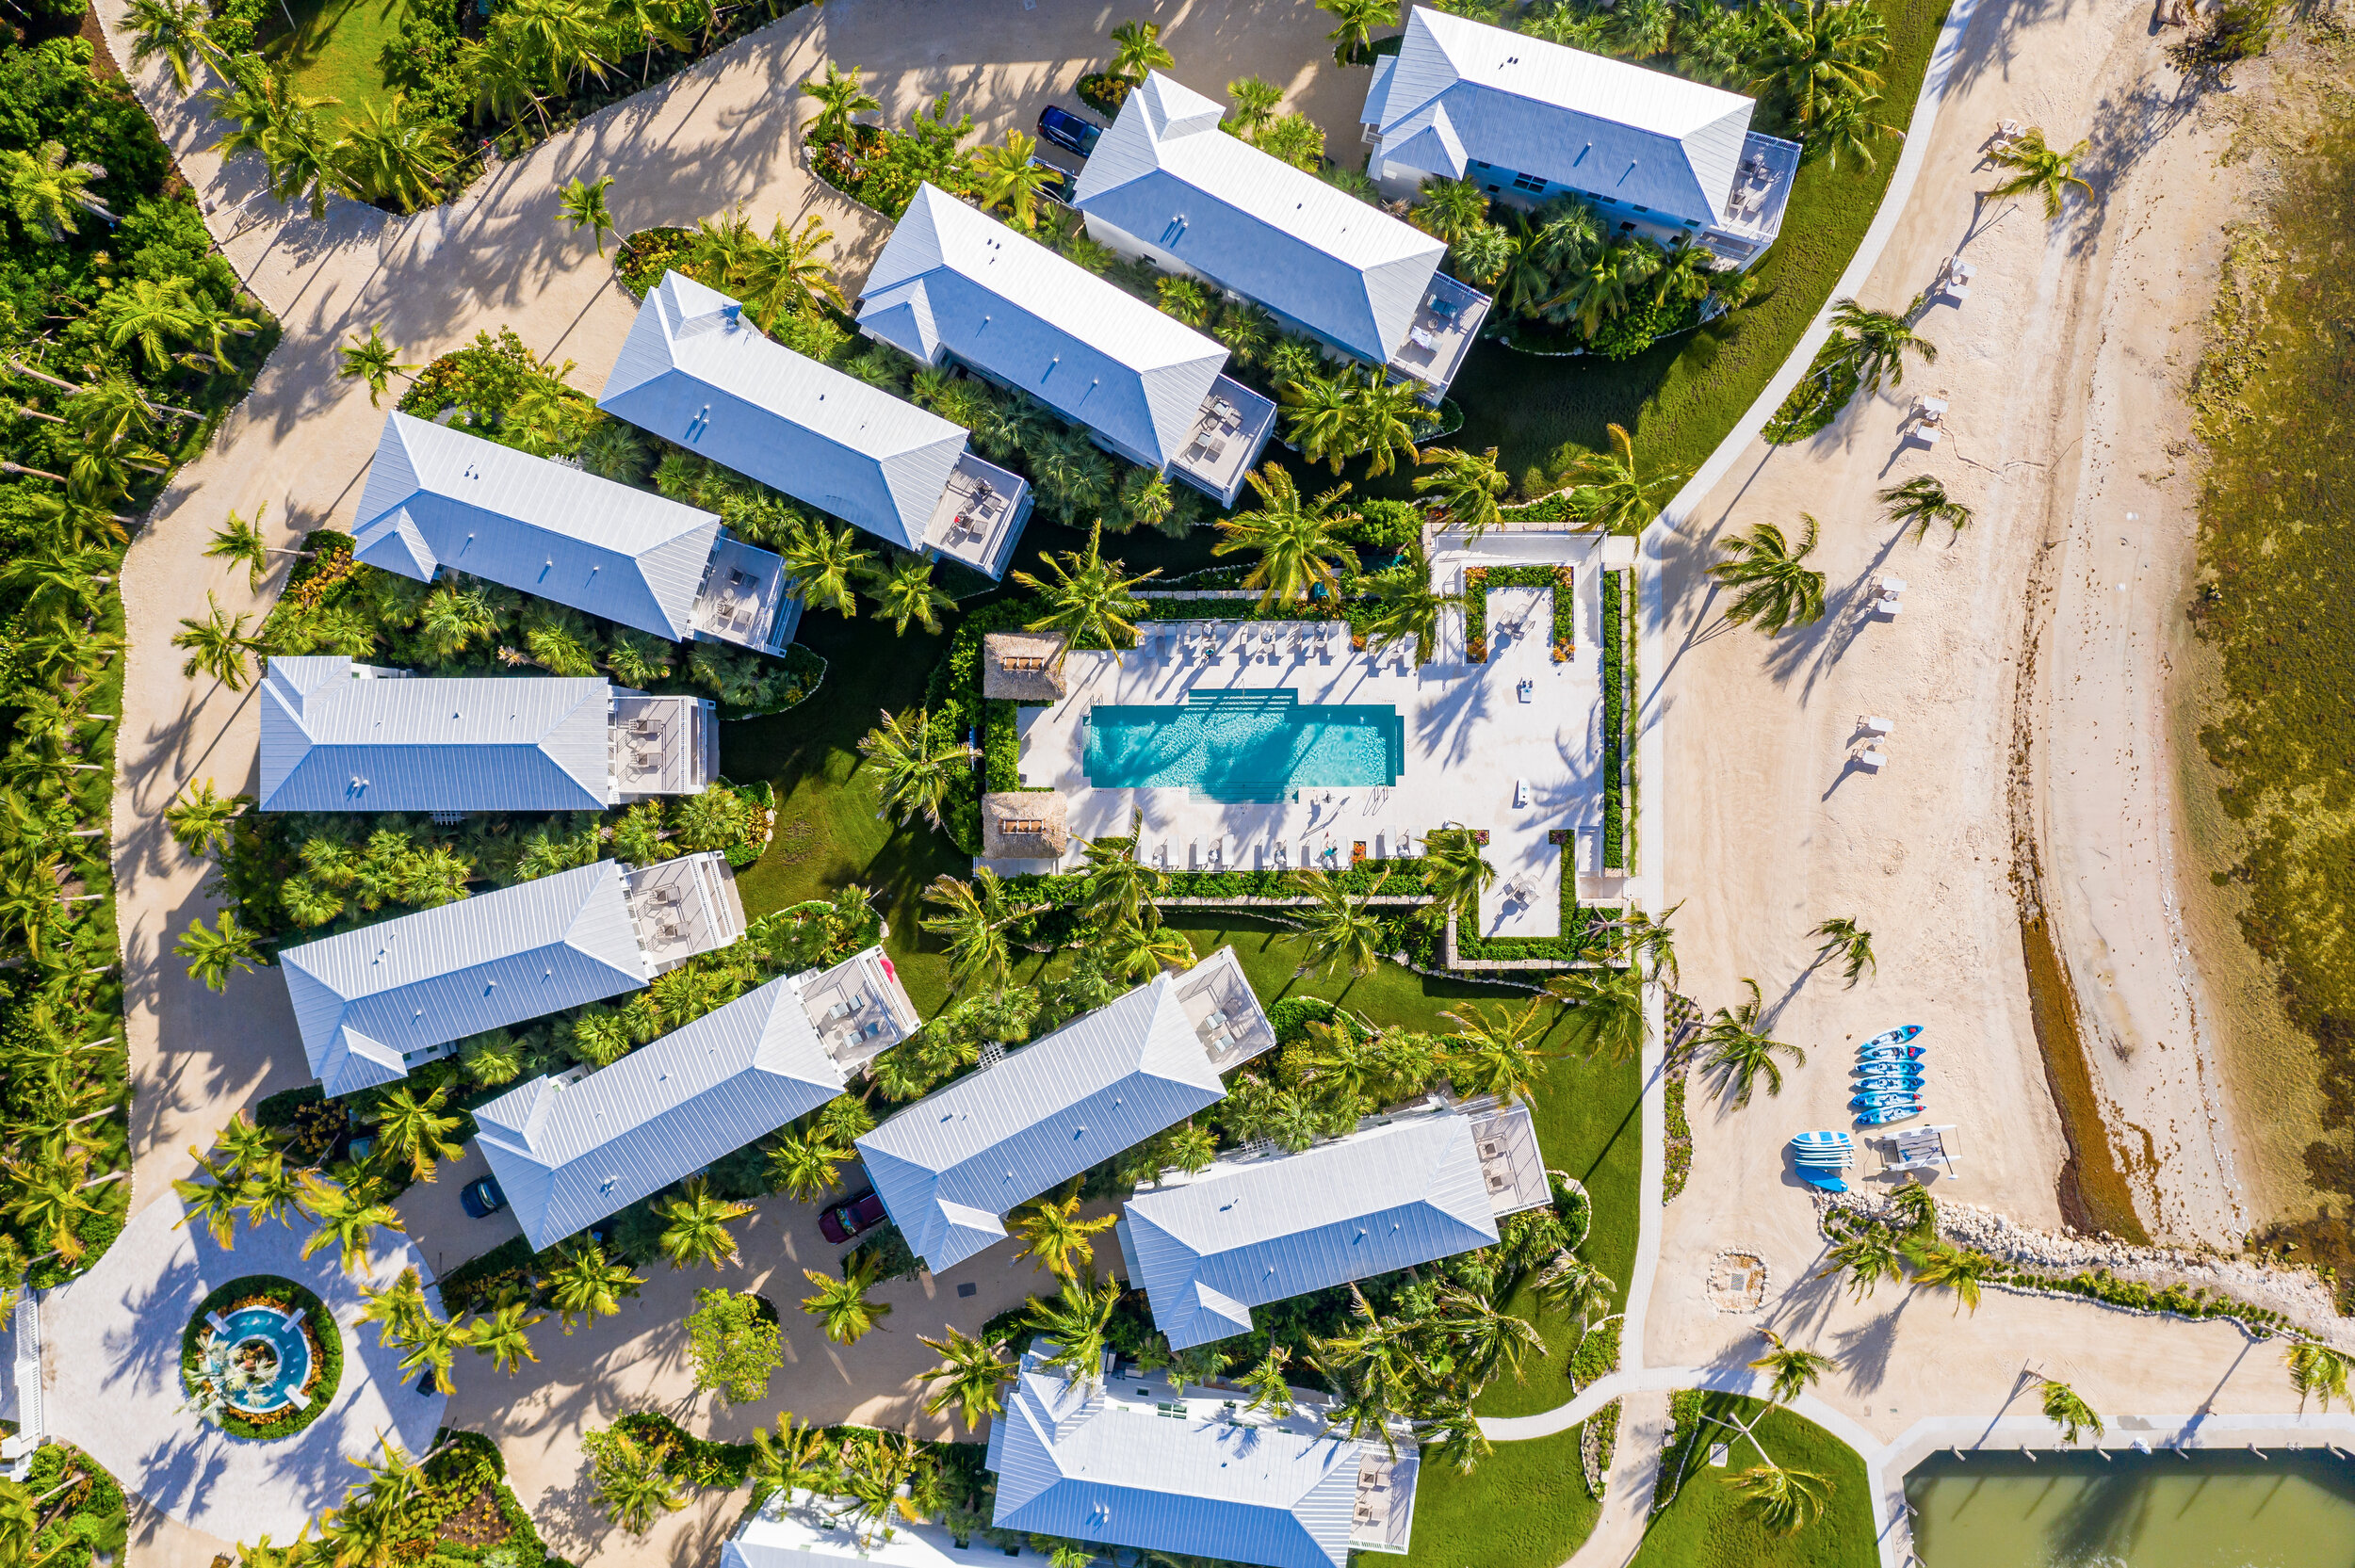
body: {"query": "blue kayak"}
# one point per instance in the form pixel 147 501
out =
pixel 1884 1117
pixel 1884 1100
pixel 1902 1035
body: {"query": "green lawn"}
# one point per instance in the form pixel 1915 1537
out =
pixel 1682 396
pixel 1526 1507
pixel 332 51
pixel 1708 1527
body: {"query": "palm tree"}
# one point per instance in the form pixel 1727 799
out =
pixel 43 190
pixel 1778 589
pixel 1922 500
pixel 1846 124
pixel 1741 1052
pixel 1819 52
pixel 1455 873
pixel 840 1306
pixel 823 561
pixel 395 1305
pixel 1337 928
pixel 1321 410
pixel 584 1285
pixel 1382 414
pixel 1078 1320
pixel 389 155
pixel 970 1374
pixel 633 1483
pixel 1004 176
pixel 1137 953
pixel 1607 1010
pixel 433 1345
pixel 1358 19
pixel 58 586
pixel 409 1128
pixel 1794 1370
pixel 2040 169
pixel 1494 1051
pixel 215 1203
pixel 1786 1501
pixel 698 1229
pixel 1851 942
pixel 1256 100
pixel 1945 1266
pixel 1054 1232
pixel 1121 888
pixel 1269 1390
pixel 1136 50
pixel 581 203
pixel 907 592
pixel 217 645
pixel 978 914
pixel 1612 491
pixel 1486 1340
pixel 1451 210
pixel 241 541
pixel 506 82
pixel 454 618
pixel 2065 1410
pixel 179 30
pixel 504 1336
pixel 373 361
pixel 1295 541
pixel 151 314
pixel 1573 1287
pixel 2317 1372
pixel 348 1214
pixel 839 97
pixel 1602 284
pixel 1878 342
pixel 918 767
pixel 1406 606
pixel 786 270
pixel 1468 485
pixel 213 956
pixel 1869 1254
pixel 1089 601
pixel 803 1166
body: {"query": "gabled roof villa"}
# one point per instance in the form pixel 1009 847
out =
pixel 371 1002
pixel 438 497
pixel 949 1165
pixel 1167 184
pixel 342 736
pixel 1526 119
pixel 1136 1459
pixel 1260 1226
pixel 572 1148
pixel 695 372
pixel 956 284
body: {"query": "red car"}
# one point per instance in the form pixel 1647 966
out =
pixel 848 1217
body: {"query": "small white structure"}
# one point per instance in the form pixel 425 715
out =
pixel 1526 119
pixel 803 1529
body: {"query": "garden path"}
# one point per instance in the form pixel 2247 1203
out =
pixel 113 1340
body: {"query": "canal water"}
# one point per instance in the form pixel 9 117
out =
pixel 2216 1510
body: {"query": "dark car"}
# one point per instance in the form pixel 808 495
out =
pixel 1067 130
pixel 845 1220
pixel 481 1197
pixel 1063 184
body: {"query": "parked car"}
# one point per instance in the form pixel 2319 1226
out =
pixel 1064 185
pixel 481 1197
pixel 1067 130
pixel 847 1219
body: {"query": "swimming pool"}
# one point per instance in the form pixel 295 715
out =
pixel 1240 746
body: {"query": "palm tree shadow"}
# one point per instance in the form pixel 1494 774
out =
pixel 1865 1350
pixel 1766 1020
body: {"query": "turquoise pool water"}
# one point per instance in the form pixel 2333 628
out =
pixel 284 1342
pixel 1242 746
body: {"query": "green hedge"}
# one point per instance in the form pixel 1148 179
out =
pixel 327 1366
pixel 1478 580
pixel 1613 719
pixel 1391 878
pixel 1001 745
pixel 952 696
pixel 86 1518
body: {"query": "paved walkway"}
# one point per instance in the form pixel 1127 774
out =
pixel 114 1379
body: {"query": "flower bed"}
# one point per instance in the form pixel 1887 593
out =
pixel 318 1327
pixel 642 259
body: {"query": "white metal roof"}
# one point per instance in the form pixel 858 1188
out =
pixel 693 371
pixel 340 736
pixel 950 1164
pixel 567 1155
pixel 363 998
pixel 1103 1462
pixel 956 279
pixel 799 1528
pixel 438 497
pixel 1254 1229
pixel 1464 90
pixel 1168 176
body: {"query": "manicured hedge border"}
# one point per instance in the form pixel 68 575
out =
pixel 1613 719
pixel 327 1367
pixel 1478 580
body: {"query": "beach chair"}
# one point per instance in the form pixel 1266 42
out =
pixel 1887 605
pixel 1872 759
pixel 1871 725
pixel 1193 854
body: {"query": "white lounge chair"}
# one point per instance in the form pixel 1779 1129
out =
pixel 1520 792
pixel 1193 854
pixel 1889 606
pixel 1871 725
pixel 1872 758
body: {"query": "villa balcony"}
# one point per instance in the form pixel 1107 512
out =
pixel 1754 208
pixel 663 746
pixel 1230 429
pixel 979 516
pixel 1446 324
pixel 858 1007
pixel 1224 1012
pixel 1383 1519
pixel 683 908
pixel 745 598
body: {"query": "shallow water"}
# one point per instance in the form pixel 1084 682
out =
pixel 2160 1510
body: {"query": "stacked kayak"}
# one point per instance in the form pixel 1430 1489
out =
pixel 1819 1156
pixel 1888 1079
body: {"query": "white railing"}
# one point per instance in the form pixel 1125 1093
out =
pixel 18 1452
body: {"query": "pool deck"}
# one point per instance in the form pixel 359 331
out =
pixel 1469 739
